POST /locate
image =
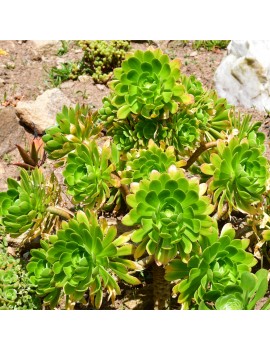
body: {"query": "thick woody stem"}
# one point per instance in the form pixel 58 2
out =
pixel 162 291
pixel 203 147
pixel 123 188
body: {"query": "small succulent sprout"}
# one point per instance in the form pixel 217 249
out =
pixel 141 162
pixel 73 127
pixel 185 135
pixel 171 213
pixel 212 114
pixel 24 205
pixel 254 288
pixel 34 156
pixel 244 127
pixel 239 175
pixel 217 270
pixel 90 173
pixel 84 256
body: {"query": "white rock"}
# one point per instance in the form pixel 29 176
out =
pixel 243 77
pixel 40 114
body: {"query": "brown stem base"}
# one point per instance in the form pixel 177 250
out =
pixel 162 291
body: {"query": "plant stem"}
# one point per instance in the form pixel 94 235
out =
pixel 123 188
pixel 203 147
pixel 162 291
pixel 62 212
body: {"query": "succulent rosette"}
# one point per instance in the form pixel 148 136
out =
pixel 239 174
pixel 212 114
pixel 83 257
pixel 146 84
pixel 146 91
pixel 184 133
pixel 141 162
pixel 213 273
pixel 172 215
pixel 89 173
pixel 73 126
pixel 251 289
pixel 24 205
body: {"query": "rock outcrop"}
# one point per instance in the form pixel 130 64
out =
pixel 243 77
pixel 40 114
pixel 11 132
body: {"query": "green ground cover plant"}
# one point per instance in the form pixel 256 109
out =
pixel 176 164
pixel 99 59
pixel 210 44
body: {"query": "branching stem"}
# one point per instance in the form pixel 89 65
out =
pixel 62 212
pixel 203 147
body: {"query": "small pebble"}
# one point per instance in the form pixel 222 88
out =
pixel 100 87
pixel 193 53
pixel 84 78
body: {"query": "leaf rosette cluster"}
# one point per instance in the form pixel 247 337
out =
pixel 239 174
pixel 213 273
pixel 210 114
pixel 141 162
pixel 171 213
pixel 89 173
pixel 73 127
pixel 145 88
pixel 24 205
pixel 83 257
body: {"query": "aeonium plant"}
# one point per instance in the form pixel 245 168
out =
pixel 73 126
pixel 211 114
pixel 30 206
pixel 84 259
pixel 252 288
pixel 141 162
pixel 145 92
pixel 213 273
pixel 171 216
pixel 90 174
pixel 239 175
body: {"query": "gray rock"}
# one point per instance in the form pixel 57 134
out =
pixel 46 46
pixel 40 114
pixel 68 84
pixel 11 132
pixel 84 78
pixel 243 77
